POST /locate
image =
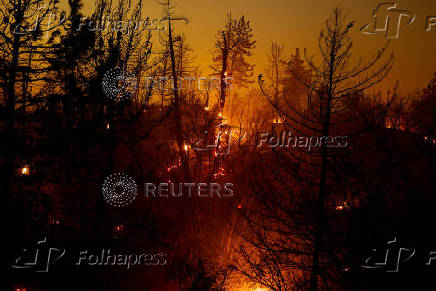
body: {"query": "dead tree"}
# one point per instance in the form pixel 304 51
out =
pixel 24 24
pixel 288 242
pixel 168 15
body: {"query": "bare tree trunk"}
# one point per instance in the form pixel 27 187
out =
pixel 223 75
pixel 10 116
pixel 177 114
pixel 321 212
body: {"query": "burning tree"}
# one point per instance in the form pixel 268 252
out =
pixel 293 236
pixel 233 45
pixel 170 44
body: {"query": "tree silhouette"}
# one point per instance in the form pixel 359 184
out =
pixel 233 45
pixel 290 238
pixel 23 26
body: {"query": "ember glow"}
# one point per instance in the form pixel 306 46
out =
pixel 25 170
pixel 343 206
pixel 220 145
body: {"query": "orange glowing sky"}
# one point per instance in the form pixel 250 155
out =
pixel 297 23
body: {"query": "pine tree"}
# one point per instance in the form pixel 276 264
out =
pixel 298 75
pixel 234 45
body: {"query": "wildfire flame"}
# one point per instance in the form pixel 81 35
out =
pixel 25 170
pixel 277 120
pixel 219 173
pixel 343 206
pixel 175 166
